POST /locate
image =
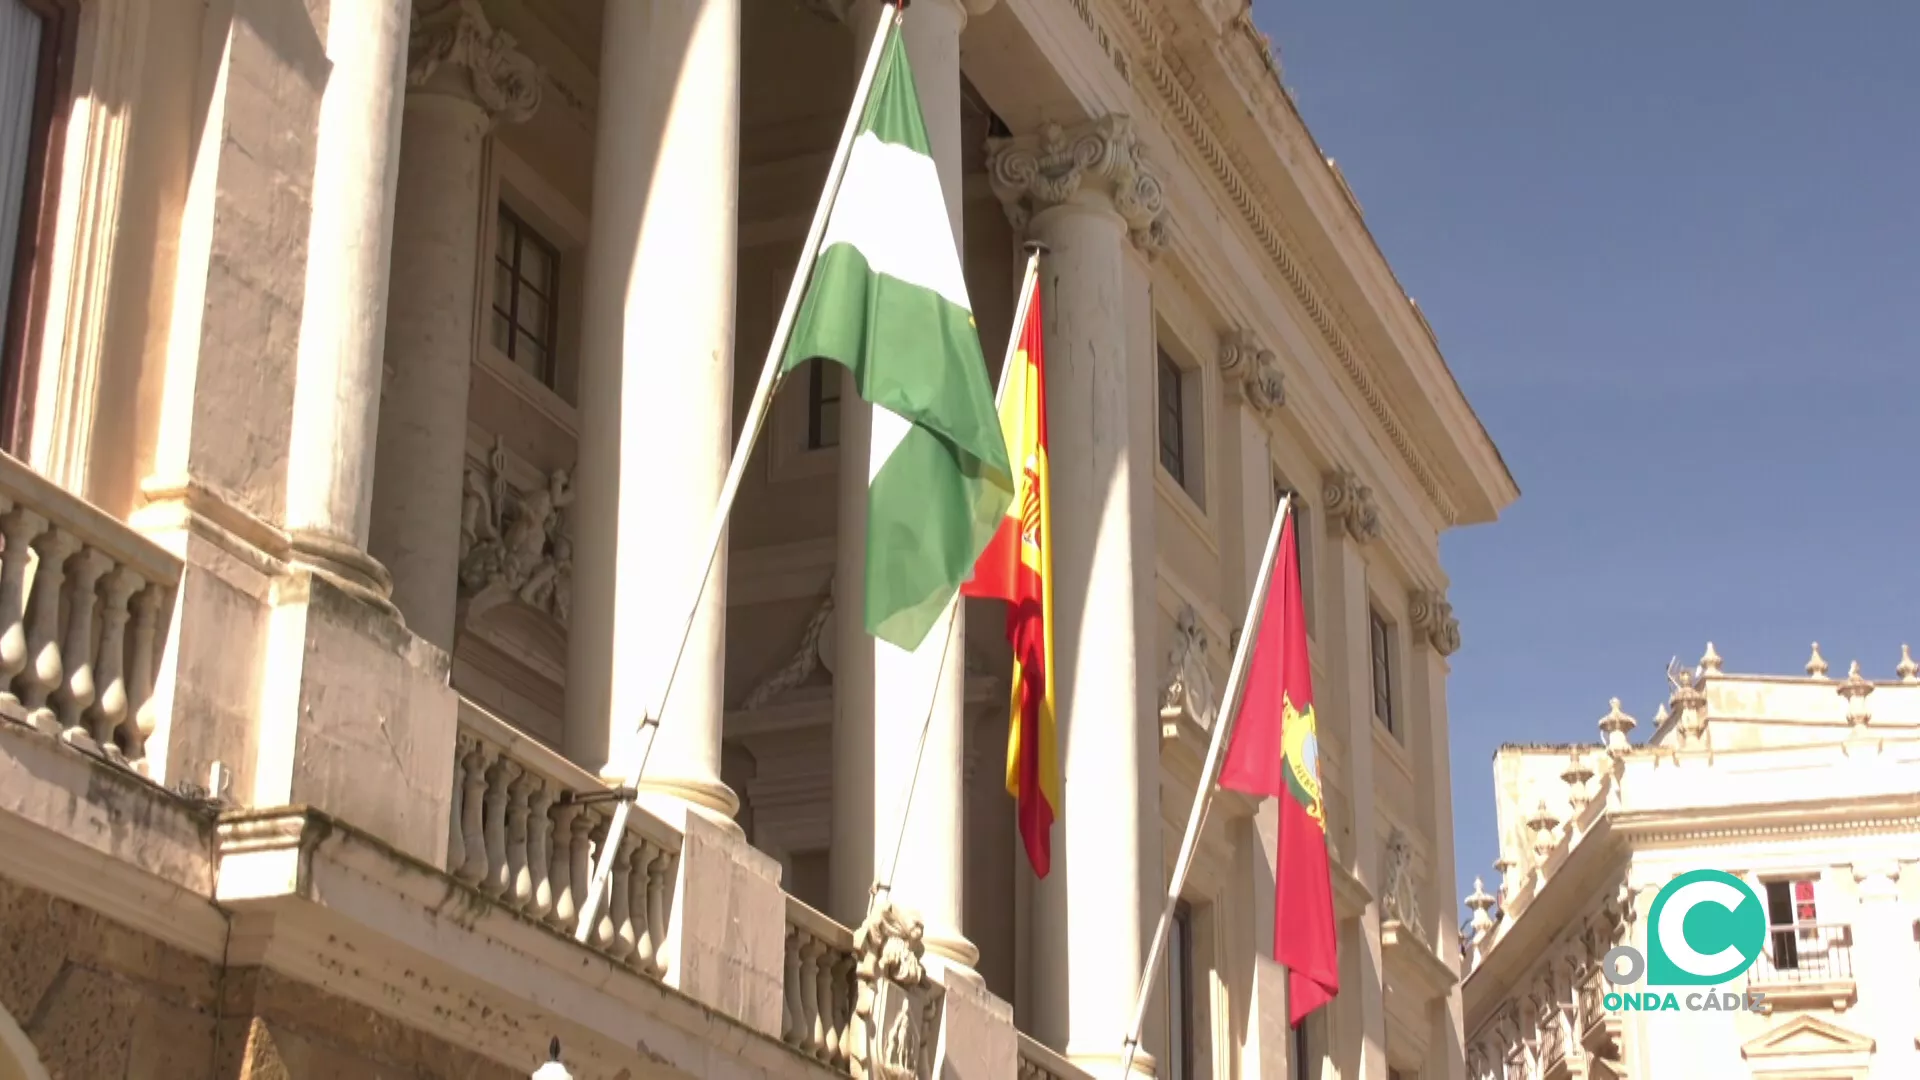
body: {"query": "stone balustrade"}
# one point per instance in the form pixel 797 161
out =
pixel 84 606
pixel 820 988
pixel 1039 1063
pixel 519 833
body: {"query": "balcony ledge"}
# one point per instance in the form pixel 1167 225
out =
pixel 1837 993
pixel 1413 964
pixel 320 901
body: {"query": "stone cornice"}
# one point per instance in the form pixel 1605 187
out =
pixel 499 77
pixel 1036 172
pixel 1150 53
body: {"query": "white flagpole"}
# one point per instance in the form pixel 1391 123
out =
pixel 737 469
pixel 1203 797
pixel 883 885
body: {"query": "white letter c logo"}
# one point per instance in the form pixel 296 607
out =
pixel 1673 921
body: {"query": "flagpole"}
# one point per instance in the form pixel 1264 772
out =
pixel 642 747
pixel 1203 797
pixel 883 885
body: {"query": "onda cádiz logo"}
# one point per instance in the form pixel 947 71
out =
pixel 1705 929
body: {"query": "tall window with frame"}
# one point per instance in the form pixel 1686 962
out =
pixel 526 297
pixel 1172 418
pixel 823 405
pixel 1380 633
pixel 1793 920
pixel 36 57
pixel 1180 994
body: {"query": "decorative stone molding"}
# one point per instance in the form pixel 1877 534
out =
pixel 1188 686
pixel 1576 776
pixel 1908 671
pixel 1816 664
pixel 1855 689
pixel 1252 372
pixel 807 658
pixel 1689 703
pixel 1710 663
pixel 899 1007
pixel 1034 173
pixel 500 78
pixel 1399 891
pixel 516 545
pixel 1546 834
pixel 1349 500
pixel 1614 726
pixel 1432 617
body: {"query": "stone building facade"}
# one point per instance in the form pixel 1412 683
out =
pixel 370 372
pixel 1807 788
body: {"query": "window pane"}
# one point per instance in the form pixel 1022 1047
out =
pixel 532 314
pixel 502 333
pixel 503 286
pixel 531 355
pixel 20 32
pixel 536 264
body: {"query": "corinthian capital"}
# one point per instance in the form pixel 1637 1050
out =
pixel 1350 502
pixel 1252 372
pixel 1032 173
pixel 1432 618
pixel 498 76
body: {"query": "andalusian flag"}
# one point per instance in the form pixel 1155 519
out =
pixel 1018 567
pixel 886 299
pixel 1275 753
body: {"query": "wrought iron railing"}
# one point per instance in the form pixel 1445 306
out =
pixel 1805 953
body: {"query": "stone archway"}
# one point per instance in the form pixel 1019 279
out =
pixel 18 1059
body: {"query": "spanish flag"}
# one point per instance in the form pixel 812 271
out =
pixel 1017 567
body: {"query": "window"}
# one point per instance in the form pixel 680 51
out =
pixel 526 293
pixel 35 52
pixel 1793 918
pixel 1306 1063
pixel 1179 1065
pixel 1173 419
pixel 823 405
pixel 1382 636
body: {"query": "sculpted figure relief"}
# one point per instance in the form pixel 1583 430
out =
pixel 516 544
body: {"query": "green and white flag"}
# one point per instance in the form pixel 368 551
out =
pixel 887 301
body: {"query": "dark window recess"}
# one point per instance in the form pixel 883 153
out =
pixel 1791 914
pixel 823 405
pixel 526 296
pixel 1173 432
pixel 36 62
pixel 1180 994
pixel 1382 635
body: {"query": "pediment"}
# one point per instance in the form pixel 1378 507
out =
pixel 1806 1035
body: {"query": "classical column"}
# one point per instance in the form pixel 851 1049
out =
pixel 883 694
pixel 656 395
pixel 1436 636
pixel 343 321
pixel 463 76
pixel 1085 193
pixel 1353 521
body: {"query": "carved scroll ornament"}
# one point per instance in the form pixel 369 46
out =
pixel 1349 501
pixel 1033 173
pixel 1188 686
pixel 501 78
pixel 1252 372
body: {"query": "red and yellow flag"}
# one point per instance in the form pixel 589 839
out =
pixel 1275 752
pixel 1017 566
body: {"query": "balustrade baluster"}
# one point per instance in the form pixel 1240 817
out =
pixel 141 660
pixel 18 528
pixel 109 709
pixel 473 827
pixel 810 955
pixel 627 889
pixel 539 850
pixel 76 688
pixel 519 888
pixel 561 872
pixel 660 874
pixel 606 931
pixel 43 670
pixel 792 1020
pixel 456 841
pixel 581 869
pixel 841 991
pixel 499 777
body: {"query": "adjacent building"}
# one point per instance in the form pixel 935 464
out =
pixel 1807 787
pixel 370 374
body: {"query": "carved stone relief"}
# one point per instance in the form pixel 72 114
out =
pixel 1034 173
pixel 1349 501
pixel 1432 618
pixel 1399 891
pixel 898 1014
pixel 516 545
pixel 1188 686
pixel 1252 372
pixel 456 34
pixel 809 656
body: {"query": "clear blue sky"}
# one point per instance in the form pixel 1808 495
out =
pixel 1672 252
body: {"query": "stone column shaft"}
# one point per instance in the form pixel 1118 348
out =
pixel 1436 634
pixel 464 77
pixel 336 398
pixel 1082 193
pixel 883 694
pixel 658 327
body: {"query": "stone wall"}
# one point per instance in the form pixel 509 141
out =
pixel 100 1001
